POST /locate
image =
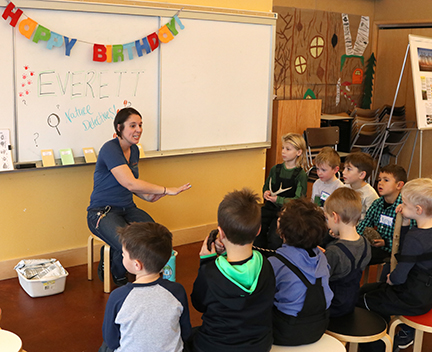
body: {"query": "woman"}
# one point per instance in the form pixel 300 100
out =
pixel 115 182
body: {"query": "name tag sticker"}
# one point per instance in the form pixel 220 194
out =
pixel 386 220
pixel 324 195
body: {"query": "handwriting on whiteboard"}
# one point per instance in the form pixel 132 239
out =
pixel 89 84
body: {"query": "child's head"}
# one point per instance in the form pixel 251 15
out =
pixel 417 198
pixel 296 141
pixel 239 216
pixel 346 203
pixel 358 167
pixel 147 242
pixel 391 180
pixel 327 163
pixel 302 224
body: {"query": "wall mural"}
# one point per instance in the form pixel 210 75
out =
pixel 316 57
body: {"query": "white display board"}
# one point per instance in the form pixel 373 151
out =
pixel 421 65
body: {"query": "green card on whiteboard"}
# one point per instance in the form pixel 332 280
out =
pixel 66 156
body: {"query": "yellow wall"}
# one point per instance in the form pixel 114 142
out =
pixel 44 211
pixel 355 7
pixel 400 10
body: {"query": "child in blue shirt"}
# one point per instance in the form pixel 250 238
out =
pixel 303 295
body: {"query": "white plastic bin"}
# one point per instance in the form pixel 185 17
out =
pixel 43 287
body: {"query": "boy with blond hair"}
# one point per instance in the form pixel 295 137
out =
pixel 234 291
pixel 327 164
pixel 349 254
pixel 358 168
pixel 152 313
pixel 382 213
pixel 408 290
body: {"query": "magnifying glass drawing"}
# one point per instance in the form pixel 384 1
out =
pixel 53 121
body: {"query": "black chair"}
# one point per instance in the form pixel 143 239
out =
pixel 316 139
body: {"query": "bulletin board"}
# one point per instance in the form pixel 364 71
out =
pixel 421 65
pixel 209 88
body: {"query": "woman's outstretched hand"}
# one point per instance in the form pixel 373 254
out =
pixel 173 191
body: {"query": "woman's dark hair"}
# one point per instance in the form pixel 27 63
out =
pixel 302 224
pixel 121 118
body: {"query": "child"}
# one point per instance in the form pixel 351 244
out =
pixel 408 290
pixel 358 168
pixel 327 165
pixel 234 291
pixel 382 212
pixel 349 254
pixel 286 181
pixel 303 295
pixel 150 314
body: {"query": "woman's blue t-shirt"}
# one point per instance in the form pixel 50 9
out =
pixel 106 189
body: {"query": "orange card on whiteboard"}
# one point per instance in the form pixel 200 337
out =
pixel 89 155
pixel 141 151
pixel 48 157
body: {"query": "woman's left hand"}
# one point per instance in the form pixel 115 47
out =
pixel 173 191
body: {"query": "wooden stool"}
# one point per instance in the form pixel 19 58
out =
pixel 325 344
pixel 422 323
pixel 9 342
pixel 107 267
pixel 358 327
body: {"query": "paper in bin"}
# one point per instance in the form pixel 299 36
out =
pixel 40 268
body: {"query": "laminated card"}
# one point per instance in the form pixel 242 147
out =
pixel 66 156
pixel 47 157
pixel 89 155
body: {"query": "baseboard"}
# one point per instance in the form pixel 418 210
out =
pixel 78 256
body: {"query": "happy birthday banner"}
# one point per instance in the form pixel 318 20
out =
pixel 101 53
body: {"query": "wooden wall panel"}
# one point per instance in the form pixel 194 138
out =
pixel 290 116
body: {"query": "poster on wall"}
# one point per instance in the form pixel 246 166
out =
pixel 421 65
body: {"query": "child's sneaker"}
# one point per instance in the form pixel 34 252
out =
pixel 404 338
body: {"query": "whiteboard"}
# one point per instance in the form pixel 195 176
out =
pixel 6 79
pixel 71 101
pixel 222 98
pixel 421 65
pixel 210 87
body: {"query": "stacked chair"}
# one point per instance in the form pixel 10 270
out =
pixel 372 133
